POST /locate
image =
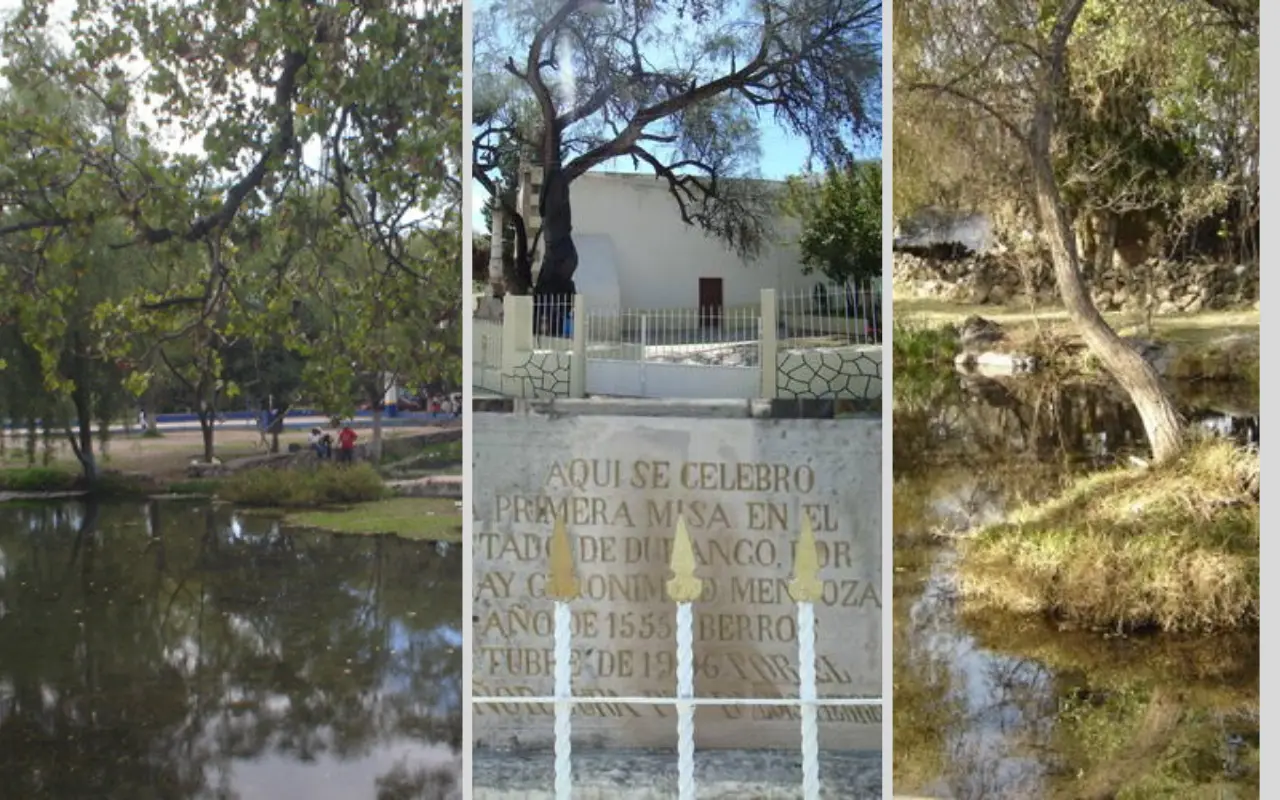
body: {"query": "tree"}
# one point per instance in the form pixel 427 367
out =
pixel 841 220
pixel 1005 73
pixel 374 88
pixel 678 88
pixel 365 323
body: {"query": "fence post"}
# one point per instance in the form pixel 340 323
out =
pixel 517 334
pixel 578 359
pixel 768 343
pixel 644 352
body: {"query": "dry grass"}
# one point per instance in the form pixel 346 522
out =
pixel 1174 548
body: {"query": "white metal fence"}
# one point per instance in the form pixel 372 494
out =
pixel 820 342
pixel 830 315
pixel 684 588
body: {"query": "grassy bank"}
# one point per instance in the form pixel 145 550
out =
pixel 410 517
pixel 1174 548
pixel 59 479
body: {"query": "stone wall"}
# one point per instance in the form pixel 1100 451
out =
pixel 1163 286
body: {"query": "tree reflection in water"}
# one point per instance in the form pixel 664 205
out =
pixel 176 650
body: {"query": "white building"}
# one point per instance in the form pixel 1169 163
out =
pixel 635 252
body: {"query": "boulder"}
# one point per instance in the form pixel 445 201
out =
pixel 977 333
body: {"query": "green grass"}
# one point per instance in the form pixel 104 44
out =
pixel 431 519
pixel 1173 548
pixel 326 485
pixel 39 479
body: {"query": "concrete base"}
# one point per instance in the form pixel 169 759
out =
pixel 649 775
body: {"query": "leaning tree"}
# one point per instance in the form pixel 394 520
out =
pixel 1042 90
pixel 677 88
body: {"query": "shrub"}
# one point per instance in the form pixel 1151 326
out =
pixel 303 488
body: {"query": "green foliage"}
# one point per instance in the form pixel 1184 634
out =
pixel 1160 117
pixel 842 222
pixel 303 488
pixel 923 344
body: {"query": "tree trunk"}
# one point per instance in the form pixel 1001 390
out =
pixel 1163 425
pixel 82 439
pixel 375 443
pixel 517 264
pixel 206 431
pixel 277 424
pixel 560 255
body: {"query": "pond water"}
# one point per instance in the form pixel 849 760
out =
pixel 992 707
pixel 180 650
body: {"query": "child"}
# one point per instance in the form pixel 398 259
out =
pixel 320 442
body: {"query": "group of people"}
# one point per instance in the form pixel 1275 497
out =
pixel 322 443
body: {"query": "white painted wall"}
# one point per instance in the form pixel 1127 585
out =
pixel 657 258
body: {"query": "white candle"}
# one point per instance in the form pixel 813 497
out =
pixel 808 694
pixel 564 706
pixel 684 691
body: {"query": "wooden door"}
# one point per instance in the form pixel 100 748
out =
pixel 710 301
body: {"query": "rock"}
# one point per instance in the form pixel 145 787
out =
pixel 1159 355
pixel 995 363
pixel 976 332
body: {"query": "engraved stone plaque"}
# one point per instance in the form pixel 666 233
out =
pixel 620 484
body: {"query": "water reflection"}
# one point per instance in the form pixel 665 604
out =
pixel 174 650
pixel 987 706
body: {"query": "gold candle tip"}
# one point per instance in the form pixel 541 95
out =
pixel 563 584
pixel 684 587
pixel 805 586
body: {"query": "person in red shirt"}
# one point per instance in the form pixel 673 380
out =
pixel 346 444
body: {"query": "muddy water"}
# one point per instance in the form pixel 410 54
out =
pixel 179 650
pixel 992 707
